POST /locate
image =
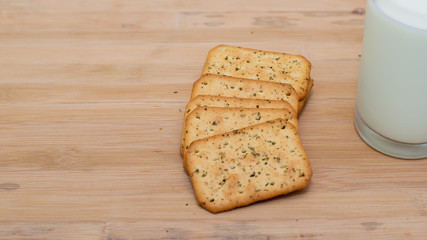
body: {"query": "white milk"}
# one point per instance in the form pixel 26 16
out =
pixel 392 90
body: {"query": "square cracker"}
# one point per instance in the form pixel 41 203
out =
pixel 247 165
pixel 218 85
pixel 218 101
pixel 260 65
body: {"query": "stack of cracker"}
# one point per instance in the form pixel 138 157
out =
pixel 240 140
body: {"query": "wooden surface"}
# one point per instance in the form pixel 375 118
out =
pixel 91 100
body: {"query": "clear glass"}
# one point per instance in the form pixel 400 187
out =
pixel 391 107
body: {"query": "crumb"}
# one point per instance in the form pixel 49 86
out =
pixel 180 110
pixel 175 91
pixel 161 129
pixel 186 204
pixel 359 11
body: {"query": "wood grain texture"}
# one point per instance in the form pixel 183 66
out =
pixel 92 95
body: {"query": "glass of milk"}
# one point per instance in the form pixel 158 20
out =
pixel 391 107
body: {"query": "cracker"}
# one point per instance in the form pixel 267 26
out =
pixel 209 121
pixel 218 85
pixel 260 65
pixel 218 101
pixel 256 163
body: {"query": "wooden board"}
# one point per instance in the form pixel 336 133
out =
pixel 91 101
